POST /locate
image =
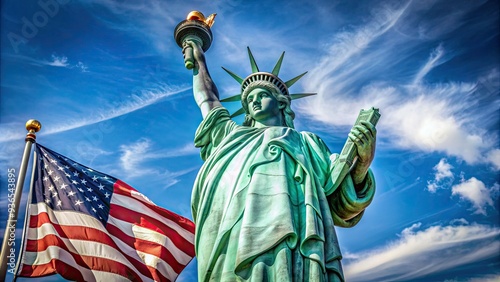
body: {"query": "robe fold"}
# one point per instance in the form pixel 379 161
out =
pixel 265 205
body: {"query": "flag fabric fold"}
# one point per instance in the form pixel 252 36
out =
pixel 89 226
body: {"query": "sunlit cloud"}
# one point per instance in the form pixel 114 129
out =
pixel 416 114
pixel 419 252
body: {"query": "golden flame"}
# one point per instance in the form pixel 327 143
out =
pixel 198 16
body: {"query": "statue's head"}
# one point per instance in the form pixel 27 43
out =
pixel 281 103
pixel 269 82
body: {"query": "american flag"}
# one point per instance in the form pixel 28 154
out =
pixel 89 226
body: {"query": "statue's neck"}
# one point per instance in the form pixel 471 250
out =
pixel 272 121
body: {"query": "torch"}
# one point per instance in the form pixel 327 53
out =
pixel 196 28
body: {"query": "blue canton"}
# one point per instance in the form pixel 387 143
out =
pixel 63 184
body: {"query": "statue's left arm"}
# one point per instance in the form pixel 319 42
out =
pixel 364 136
pixel 356 191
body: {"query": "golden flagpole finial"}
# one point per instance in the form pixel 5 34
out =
pixel 33 125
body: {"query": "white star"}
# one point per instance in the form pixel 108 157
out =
pixel 94 209
pixel 51 187
pixel 75 173
pixel 89 169
pixel 94 178
pixel 94 198
pixel 66 167
pixel 107 195
pixel 78 202
pixel 45 178
pixel 47 201
pixel 45 154
pixel 50 172
pixel 53 161
pixel 57 178
pixel 101 187
pixel 54 195
pixel 63 186
pixel 74 181
pixel 81 190
pixel 46 166
pixel 67 174
pixel 71 193
pixel 59 203
pixel 60 168
pixel 89 189
pixel 105 177
pixel 84 181
pixel 87 199
pixel 100 206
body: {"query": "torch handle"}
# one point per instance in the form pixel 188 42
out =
pixel 188 57
pixel 188 50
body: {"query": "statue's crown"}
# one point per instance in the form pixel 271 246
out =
pixel 248 83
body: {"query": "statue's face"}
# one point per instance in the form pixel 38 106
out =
pixel 262 105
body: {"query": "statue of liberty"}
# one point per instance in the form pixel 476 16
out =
pixel 265 201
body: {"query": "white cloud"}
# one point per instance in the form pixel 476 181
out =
pixel 135 158
pixel 474 191
pixel 59 61
pixel 494 158
pixel 420 252
pixel 133 103
pixel 82 67
pixel 443 172
pixel 433 61
pixel 416 114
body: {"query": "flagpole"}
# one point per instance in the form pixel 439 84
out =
pixel 8 253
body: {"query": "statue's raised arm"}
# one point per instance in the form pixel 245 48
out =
pixel 205 92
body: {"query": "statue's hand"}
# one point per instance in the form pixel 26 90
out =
pixel 198 54
pixel 364 136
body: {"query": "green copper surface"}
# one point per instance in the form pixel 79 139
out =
pixel 267 198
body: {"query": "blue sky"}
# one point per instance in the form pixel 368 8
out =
pixel 107 82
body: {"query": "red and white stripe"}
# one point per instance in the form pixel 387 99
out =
pixel 141 242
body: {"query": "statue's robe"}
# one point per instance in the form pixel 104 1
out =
pixel 265 205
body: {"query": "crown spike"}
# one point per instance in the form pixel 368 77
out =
pixel 238 112
pixel 255 68
pixel 235 76
pixel 301 95
pixel 277 67
pixel 234 98
pixel 293 80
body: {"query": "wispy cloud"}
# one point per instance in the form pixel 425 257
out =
pixel 443 172
pixel 419 252
pixel 433 61
pixel 417 114
pixel 62 61
pixel 135 157
pixel 54 61
pixel 132 104
pixel 476 192
pixel 149 21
